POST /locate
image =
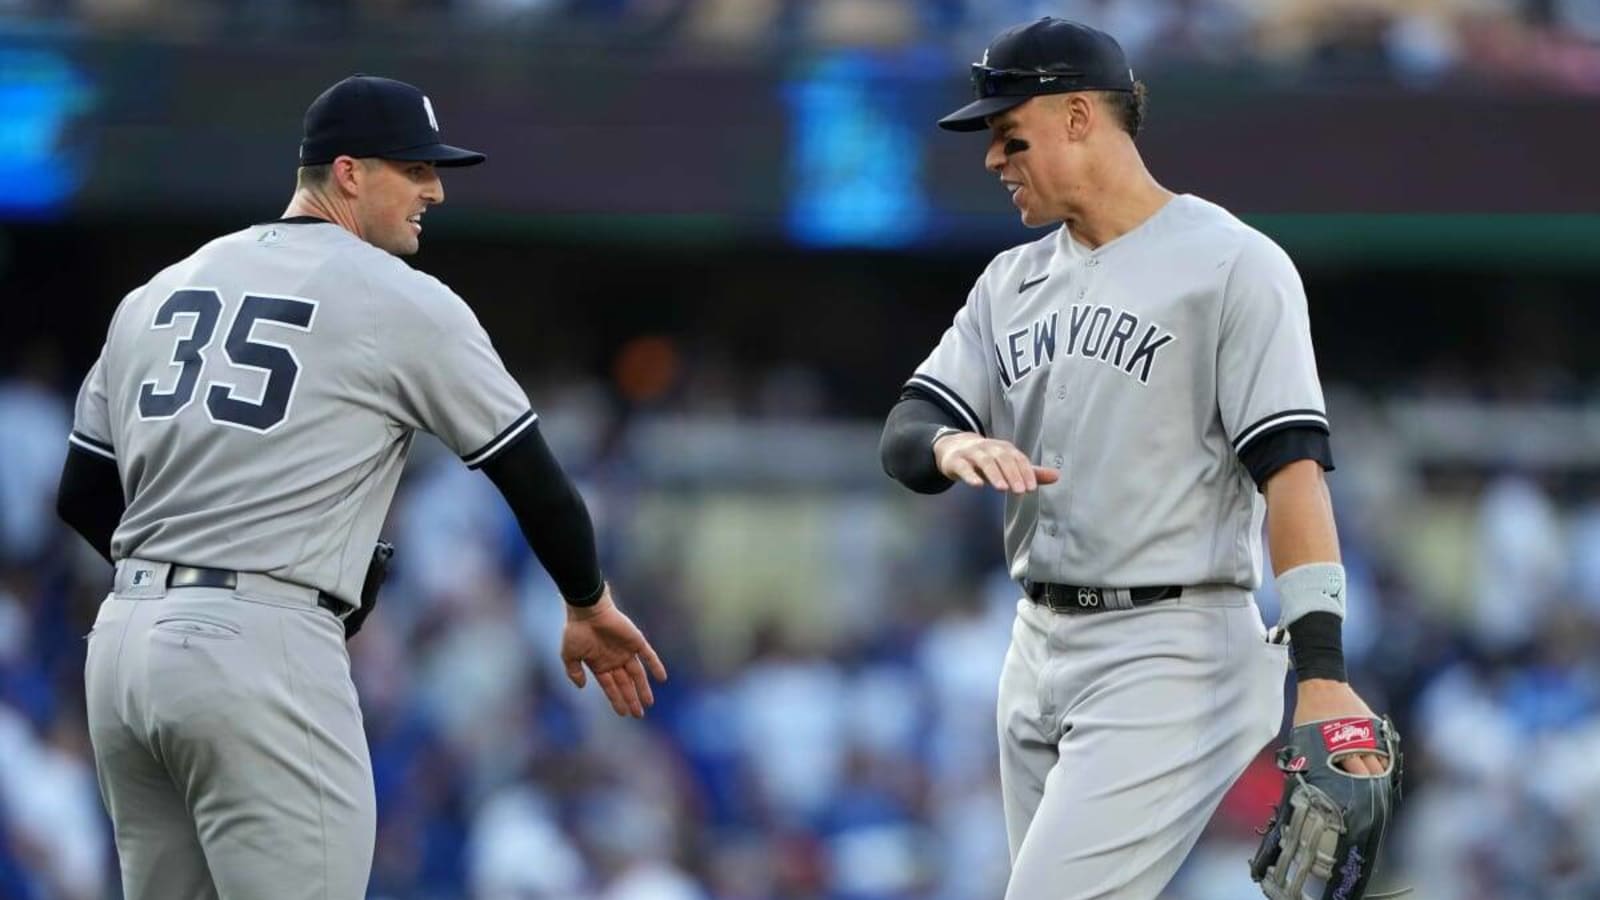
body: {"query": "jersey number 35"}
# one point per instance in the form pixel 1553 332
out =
pixel 225 403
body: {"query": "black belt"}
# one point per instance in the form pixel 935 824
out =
pixel 198 576
pixel 1072 598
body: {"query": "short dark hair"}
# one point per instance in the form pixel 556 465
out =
pixel 316 178
pixel 313 177
pixel 1129 107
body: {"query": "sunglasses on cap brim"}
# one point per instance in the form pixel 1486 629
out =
pixel 988 82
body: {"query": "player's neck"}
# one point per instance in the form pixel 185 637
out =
pixel 1124 196
pixel 305 203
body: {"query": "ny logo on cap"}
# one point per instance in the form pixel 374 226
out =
pixel 427 107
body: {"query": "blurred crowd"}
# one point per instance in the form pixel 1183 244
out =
pixel 1546 43
pixel 834 646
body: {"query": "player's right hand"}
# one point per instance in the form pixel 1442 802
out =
pixel 614 649
pixel 977 460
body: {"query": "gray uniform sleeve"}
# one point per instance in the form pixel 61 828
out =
pixel 955 376
pixel 1266 369
pixel 91 417
pixel 445 376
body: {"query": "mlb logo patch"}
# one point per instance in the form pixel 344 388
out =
pixel 142 577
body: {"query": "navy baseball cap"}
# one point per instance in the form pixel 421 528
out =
pixel 369 116
pixel 1049 56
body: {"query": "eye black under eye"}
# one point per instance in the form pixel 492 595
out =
pixel 1014 145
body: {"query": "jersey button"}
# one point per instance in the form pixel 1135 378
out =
pixel 1061 393
pixel 1050 530
pixel 1056 461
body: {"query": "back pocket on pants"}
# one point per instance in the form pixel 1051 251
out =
pixel 195 626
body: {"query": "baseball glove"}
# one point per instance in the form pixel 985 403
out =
pixel 1323 839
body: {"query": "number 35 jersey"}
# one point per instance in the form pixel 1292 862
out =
pixel 259 399
pixel 1143 370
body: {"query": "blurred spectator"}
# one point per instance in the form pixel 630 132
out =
pixel 33 417
pixel 792 727
pixel 519 853
pixel 1520 558
pixel 51 807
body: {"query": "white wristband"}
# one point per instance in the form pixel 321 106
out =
pixel 1313 587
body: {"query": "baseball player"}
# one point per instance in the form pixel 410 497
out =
pixel 234 452
pixel 1140 383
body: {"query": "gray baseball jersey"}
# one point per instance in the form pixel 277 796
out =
pixel 260 396
pixel 1141 369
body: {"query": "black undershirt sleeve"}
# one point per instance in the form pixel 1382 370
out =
pixel 89 498
pixel 906 448
pixel 1271 452
pixel 552 515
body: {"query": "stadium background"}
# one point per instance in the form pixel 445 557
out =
pixel 712 238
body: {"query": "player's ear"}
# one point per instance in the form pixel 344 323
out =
pixel 346 174
pixel 1078 114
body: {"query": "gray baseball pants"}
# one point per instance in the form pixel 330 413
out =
pixel 228 741
pixel 1120 731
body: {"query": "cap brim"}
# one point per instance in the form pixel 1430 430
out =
pixel 439 154
pixel 972 116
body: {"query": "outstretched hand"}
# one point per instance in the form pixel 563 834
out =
pixel 612 647
pixel 977 460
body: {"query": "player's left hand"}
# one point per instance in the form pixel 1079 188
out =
pixel 1324 698
pixel 614 649
pixel 977 460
